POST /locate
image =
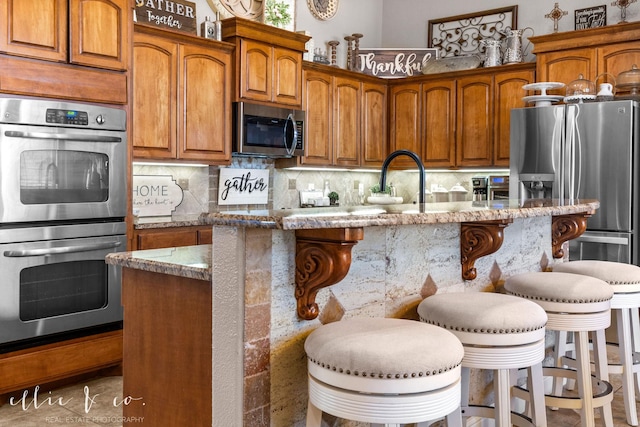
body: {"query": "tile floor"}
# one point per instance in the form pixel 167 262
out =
pixel 92 404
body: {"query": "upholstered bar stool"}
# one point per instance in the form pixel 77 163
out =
pixel 383 371
pixel 501 333
pixel 624 280
pixel 578 304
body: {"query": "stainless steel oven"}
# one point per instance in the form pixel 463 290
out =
pixel 54 279
pixel 63 172
pixel 61 161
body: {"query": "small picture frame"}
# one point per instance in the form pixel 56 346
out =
pixel 591 17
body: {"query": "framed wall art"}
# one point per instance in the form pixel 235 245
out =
pixel 461 34
pixel 591 17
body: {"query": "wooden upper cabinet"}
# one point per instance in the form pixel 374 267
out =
pixel 618 58
pixel 154 107
pixel 99 32
pixel 593 53
pixel 270 74
pixel 268 62
pixel 318 105
pixel 346 121
pixel 95 32
pixel 373 141
pixel 439 121
pixel 181 94
pixel 34 28
pixel 404 121
pixel 256 77
pixel 507 95
pixel 474 120
pixel 287 85
pixel 566 66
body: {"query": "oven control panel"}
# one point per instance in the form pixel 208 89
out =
pixel 67 117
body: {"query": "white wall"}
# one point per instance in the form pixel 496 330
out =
pixel 405 21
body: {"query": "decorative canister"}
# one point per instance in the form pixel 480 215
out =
pixel 492 51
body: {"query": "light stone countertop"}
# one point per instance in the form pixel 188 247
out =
pixel 405 214
pixel 193 262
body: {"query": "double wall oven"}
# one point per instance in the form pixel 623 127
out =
pixel 62 207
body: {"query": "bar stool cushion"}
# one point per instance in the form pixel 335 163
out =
pixel 623 278
pixel 384 348
pixel 473 314
pixel 573 292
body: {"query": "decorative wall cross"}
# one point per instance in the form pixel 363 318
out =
pixel 556 14
pixel 623 5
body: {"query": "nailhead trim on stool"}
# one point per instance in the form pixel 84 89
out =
pixel 499 332
pixel 384 371
pixel 579 304
pixel 624 280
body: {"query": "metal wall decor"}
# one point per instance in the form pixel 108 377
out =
pixel 323 9
pixel 248 9
pixel 461 35
pixel 556 14
pixel 623 5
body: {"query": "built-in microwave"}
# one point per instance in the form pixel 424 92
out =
pixel 267 131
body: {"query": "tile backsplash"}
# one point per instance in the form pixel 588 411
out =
pixel 200 184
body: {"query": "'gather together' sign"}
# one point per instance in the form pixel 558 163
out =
pixel 173 14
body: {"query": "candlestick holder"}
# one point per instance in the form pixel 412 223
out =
pixel 332 48
pixel 556 14
pixel 623 5
pixel 349 40
pixel 356 51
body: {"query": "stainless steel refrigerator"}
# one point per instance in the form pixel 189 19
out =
pixel 583 151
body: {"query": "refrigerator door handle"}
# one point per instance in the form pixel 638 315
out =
pixel 577 156
pixel 557 142
pixel 603 239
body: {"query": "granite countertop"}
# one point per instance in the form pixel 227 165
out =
pixel 145 223
pixel 405 214
pixel 188 261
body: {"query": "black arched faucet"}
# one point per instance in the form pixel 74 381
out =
pixel 414 156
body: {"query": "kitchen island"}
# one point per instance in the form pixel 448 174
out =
pixel 276 275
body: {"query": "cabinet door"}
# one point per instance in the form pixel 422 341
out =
pixel 616 58
pixel 99 33
pixel 154 97
pixel 474 121
pixel 566 66
pixel 373 142
pixel 439 121
pixel 287 77
pixel 346 121
pixel 507 95
pixel 255 70
pixel 404 121
pixel 34 28
pixel 317 102
pixel 204 119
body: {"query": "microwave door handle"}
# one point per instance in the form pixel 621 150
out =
pixel 290 122
pixel 59 251
pixel 62 136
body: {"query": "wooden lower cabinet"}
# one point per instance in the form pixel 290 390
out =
pixel 172 237
pixel 167 350
pixel 50 363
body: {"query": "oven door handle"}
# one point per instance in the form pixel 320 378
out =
pixel 62 136
pixel 63 250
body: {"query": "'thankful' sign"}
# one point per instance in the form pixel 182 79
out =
pixel 395 62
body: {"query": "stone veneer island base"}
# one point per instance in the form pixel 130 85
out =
pixel 248 323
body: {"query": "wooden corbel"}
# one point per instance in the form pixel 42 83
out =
pixel 323 258
pixel 478 239
pixel 564 228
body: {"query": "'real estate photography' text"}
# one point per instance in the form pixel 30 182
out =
pixel 81 407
